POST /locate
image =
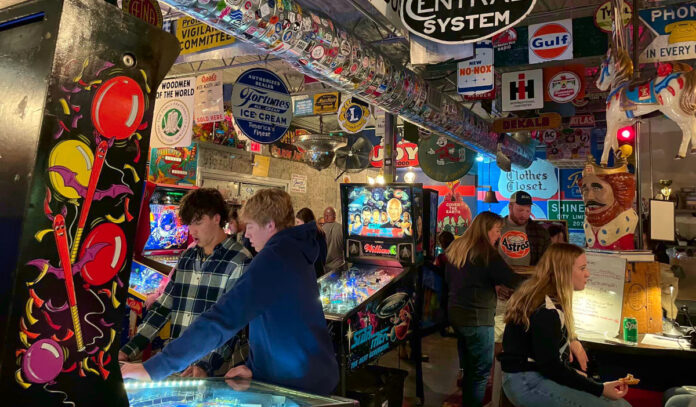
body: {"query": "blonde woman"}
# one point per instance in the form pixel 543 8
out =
pixel 473 269
pixel 538 334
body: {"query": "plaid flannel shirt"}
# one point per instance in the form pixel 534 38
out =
pixel 197 284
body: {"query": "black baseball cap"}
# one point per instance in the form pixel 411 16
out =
pixel 521 198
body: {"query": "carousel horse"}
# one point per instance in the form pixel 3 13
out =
pixel 673 92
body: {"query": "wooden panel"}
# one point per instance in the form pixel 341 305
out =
pixel 642 297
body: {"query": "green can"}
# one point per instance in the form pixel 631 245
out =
pixel 630 330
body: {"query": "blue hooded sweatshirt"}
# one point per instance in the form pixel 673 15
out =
pixel 278 297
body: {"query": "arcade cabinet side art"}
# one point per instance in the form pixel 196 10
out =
pixel 73 260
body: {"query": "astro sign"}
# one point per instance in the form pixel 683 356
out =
pixel 551 41
pixel 461 22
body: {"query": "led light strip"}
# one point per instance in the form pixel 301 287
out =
pixel 132 385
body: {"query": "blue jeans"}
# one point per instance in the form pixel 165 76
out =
pixel 475 346
pixel 531 389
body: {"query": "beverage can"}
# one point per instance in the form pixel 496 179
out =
pixel 630 330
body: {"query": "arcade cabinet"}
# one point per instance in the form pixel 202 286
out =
pixel 161 237
pixel 78 79
pixel 372 306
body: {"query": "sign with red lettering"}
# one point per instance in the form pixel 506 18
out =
pixel 476 75
pixel 583 120
pixel 146 10
pixel 563 84
pixel 515 124
pixel 406 155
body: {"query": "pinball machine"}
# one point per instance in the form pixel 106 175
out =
pixel 161 236
pixel 373 305
pixel 78 80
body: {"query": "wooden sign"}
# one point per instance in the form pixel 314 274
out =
pixel 515 124
pixel 642 298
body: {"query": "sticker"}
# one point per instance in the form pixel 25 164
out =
pixel 318 52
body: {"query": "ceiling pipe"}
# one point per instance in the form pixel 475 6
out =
pixel 318 47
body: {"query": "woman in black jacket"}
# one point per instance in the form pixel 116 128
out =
pixel 540 333
pixel 473 269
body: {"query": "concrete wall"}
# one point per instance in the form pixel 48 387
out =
pixel 322 188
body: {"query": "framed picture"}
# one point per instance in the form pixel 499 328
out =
pixel 662 222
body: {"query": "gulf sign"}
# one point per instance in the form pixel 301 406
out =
pixel 551 41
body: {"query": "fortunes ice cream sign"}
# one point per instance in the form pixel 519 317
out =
pixel 261 105
pixel 462 21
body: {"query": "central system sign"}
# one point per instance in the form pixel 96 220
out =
pixel 461 22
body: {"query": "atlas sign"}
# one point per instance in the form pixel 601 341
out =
pixel 461 22
pixel 551 41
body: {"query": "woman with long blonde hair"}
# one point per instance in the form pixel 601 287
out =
pixel 473 269
pixel 538 332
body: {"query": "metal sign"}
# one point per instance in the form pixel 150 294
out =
pixel 604 17
pixel 514 124
pixel 551 41
pixel 352 117
pixel 406 155
pixel 563 84
pixel 583 120
pixel 523 90
pixel 146 10
pixel 462 22
pixel 195 36
pixel 261 105
pixel 326 102
pixel 673 27
pixel 303 107
pixel 476 75
pixel 443 160
pixel 173 116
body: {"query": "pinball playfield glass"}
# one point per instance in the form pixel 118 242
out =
pixel 213 392
pixel 343 291
pixel 144 280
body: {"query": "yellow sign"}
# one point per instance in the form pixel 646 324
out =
pixel 195 36
pixel 261 166
pixel 325 102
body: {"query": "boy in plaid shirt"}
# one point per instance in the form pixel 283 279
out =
pixel 203 274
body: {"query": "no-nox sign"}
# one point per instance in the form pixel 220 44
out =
pixel 462 21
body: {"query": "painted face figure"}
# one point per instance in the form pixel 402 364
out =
pixel 366 217
pixel 597 194
pixel 394 210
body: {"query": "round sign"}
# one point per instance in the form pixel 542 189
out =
pixel 172 122
pixel 352 117
pixel 443 160
pixel 261 105
pixel 564 86
pixel 550 41
pixel 604 18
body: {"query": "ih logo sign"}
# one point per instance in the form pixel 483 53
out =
pixel 522 89
pixel 551 41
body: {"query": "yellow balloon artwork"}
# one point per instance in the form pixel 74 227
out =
pixel 76 156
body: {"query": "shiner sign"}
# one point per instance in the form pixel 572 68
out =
pixel 462 21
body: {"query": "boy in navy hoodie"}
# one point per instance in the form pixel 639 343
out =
pixel 277 297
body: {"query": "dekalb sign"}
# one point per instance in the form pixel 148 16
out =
pixel 461 22
pixel 551 41
pixel 406 155
pixel 515 124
